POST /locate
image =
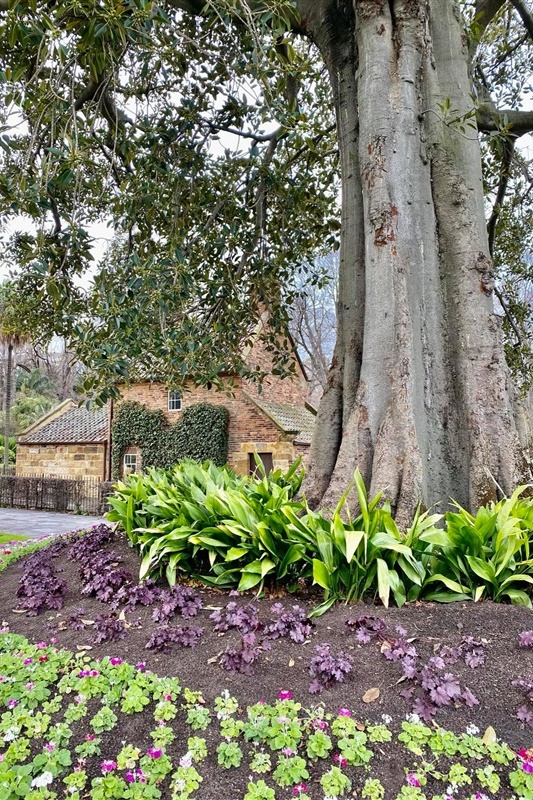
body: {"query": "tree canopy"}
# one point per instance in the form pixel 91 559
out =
pixel 212 138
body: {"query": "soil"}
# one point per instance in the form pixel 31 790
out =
pixel 286 665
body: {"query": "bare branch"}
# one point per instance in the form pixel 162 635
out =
pixel 505 174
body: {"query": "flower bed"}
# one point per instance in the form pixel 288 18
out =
pixel 106 728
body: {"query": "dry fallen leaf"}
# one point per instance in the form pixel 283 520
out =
pixel 371 695
pixel 19 610
pixel 360 726
pixel 291 662
pixel 83 647
pixel 385 646
pixel 122 615
pixel 88 621
pixel 489 737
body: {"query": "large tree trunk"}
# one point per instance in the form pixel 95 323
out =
pixel 418 396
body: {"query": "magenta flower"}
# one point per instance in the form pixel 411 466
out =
pixel 28 661
pixel 300 788
pixel 108 766
pixel 412 780
pixel 154 752
pixel 345 712
pixel 12 703
pixel 115 661
pixel 89 737
pixel 141 666
pixel 339 760
pixel 41 645
pixel 320 724
pixel 50 746
pixel 527 766
pixel 285 695
pixel 130 777
pixel 94 673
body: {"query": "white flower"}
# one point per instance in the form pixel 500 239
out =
pixel 473 730
pixel 11 734
pixel 387 719
pixel 452 789
pixel 42 780
pixel 412 718
pixel 186 760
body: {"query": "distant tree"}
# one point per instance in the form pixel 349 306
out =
pixel 313 322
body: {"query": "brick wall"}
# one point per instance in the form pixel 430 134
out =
pixel 249 428
pixel 59 460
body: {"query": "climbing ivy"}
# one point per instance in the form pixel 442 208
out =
pixel 201 433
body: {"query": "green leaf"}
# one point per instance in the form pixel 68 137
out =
pixel 383 581
pixel 321 575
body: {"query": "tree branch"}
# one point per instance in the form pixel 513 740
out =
pixel 485 11
pixel 516 122
pixel 525 15
pixel 505 174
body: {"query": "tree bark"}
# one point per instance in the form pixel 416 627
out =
pixel 418 396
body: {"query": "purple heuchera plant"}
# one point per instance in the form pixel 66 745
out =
pixel 292 623
pixel 182 599
pixel 40 587
pixel 327 668
pixel 108 629
pixel 367 627
pixel 143 594
pixel 525 639
pixel 164 638
pixel 241 658
pixel 244 618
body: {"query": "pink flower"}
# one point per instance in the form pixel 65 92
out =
pixel 115 661
pixel 53 640
pixel 12 703
pixel 345 712
pixel 141 666
pixel 186 760
pixel 287 751
pixel 412 780
pixel 154 752
pixel 167 697
pixel 320 724
pixel 50 746
pixel 300 788
pixel 108 766
pixel 41 645
pixel 89 737
pixel 285 695
pixel 30 686
pixel 94 673
pixel 339 760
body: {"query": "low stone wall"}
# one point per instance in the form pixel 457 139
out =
pixel 51 460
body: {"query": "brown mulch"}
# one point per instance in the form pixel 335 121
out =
pixel 286 665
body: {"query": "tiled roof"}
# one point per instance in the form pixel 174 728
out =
pixel 291 419
pixel 74 426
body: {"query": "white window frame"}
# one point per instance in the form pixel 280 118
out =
pixel 174 401
pixel 130 463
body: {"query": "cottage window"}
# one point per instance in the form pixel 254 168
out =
pixel 174 401
pixel 130 463
pixel 267 461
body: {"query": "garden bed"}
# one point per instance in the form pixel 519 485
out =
pixel 478 645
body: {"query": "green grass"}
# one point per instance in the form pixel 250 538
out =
pixel 11 537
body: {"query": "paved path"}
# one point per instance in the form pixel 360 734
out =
pixel 42 523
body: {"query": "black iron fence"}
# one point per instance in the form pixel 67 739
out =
pixel 62 493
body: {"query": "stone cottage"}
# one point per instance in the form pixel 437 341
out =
pixel 67 441
pixel 273 421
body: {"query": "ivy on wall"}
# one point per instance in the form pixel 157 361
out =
pixel 201 433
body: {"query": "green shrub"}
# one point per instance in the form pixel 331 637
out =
pixel 486 555
pixel 201 433
pixel 224 529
